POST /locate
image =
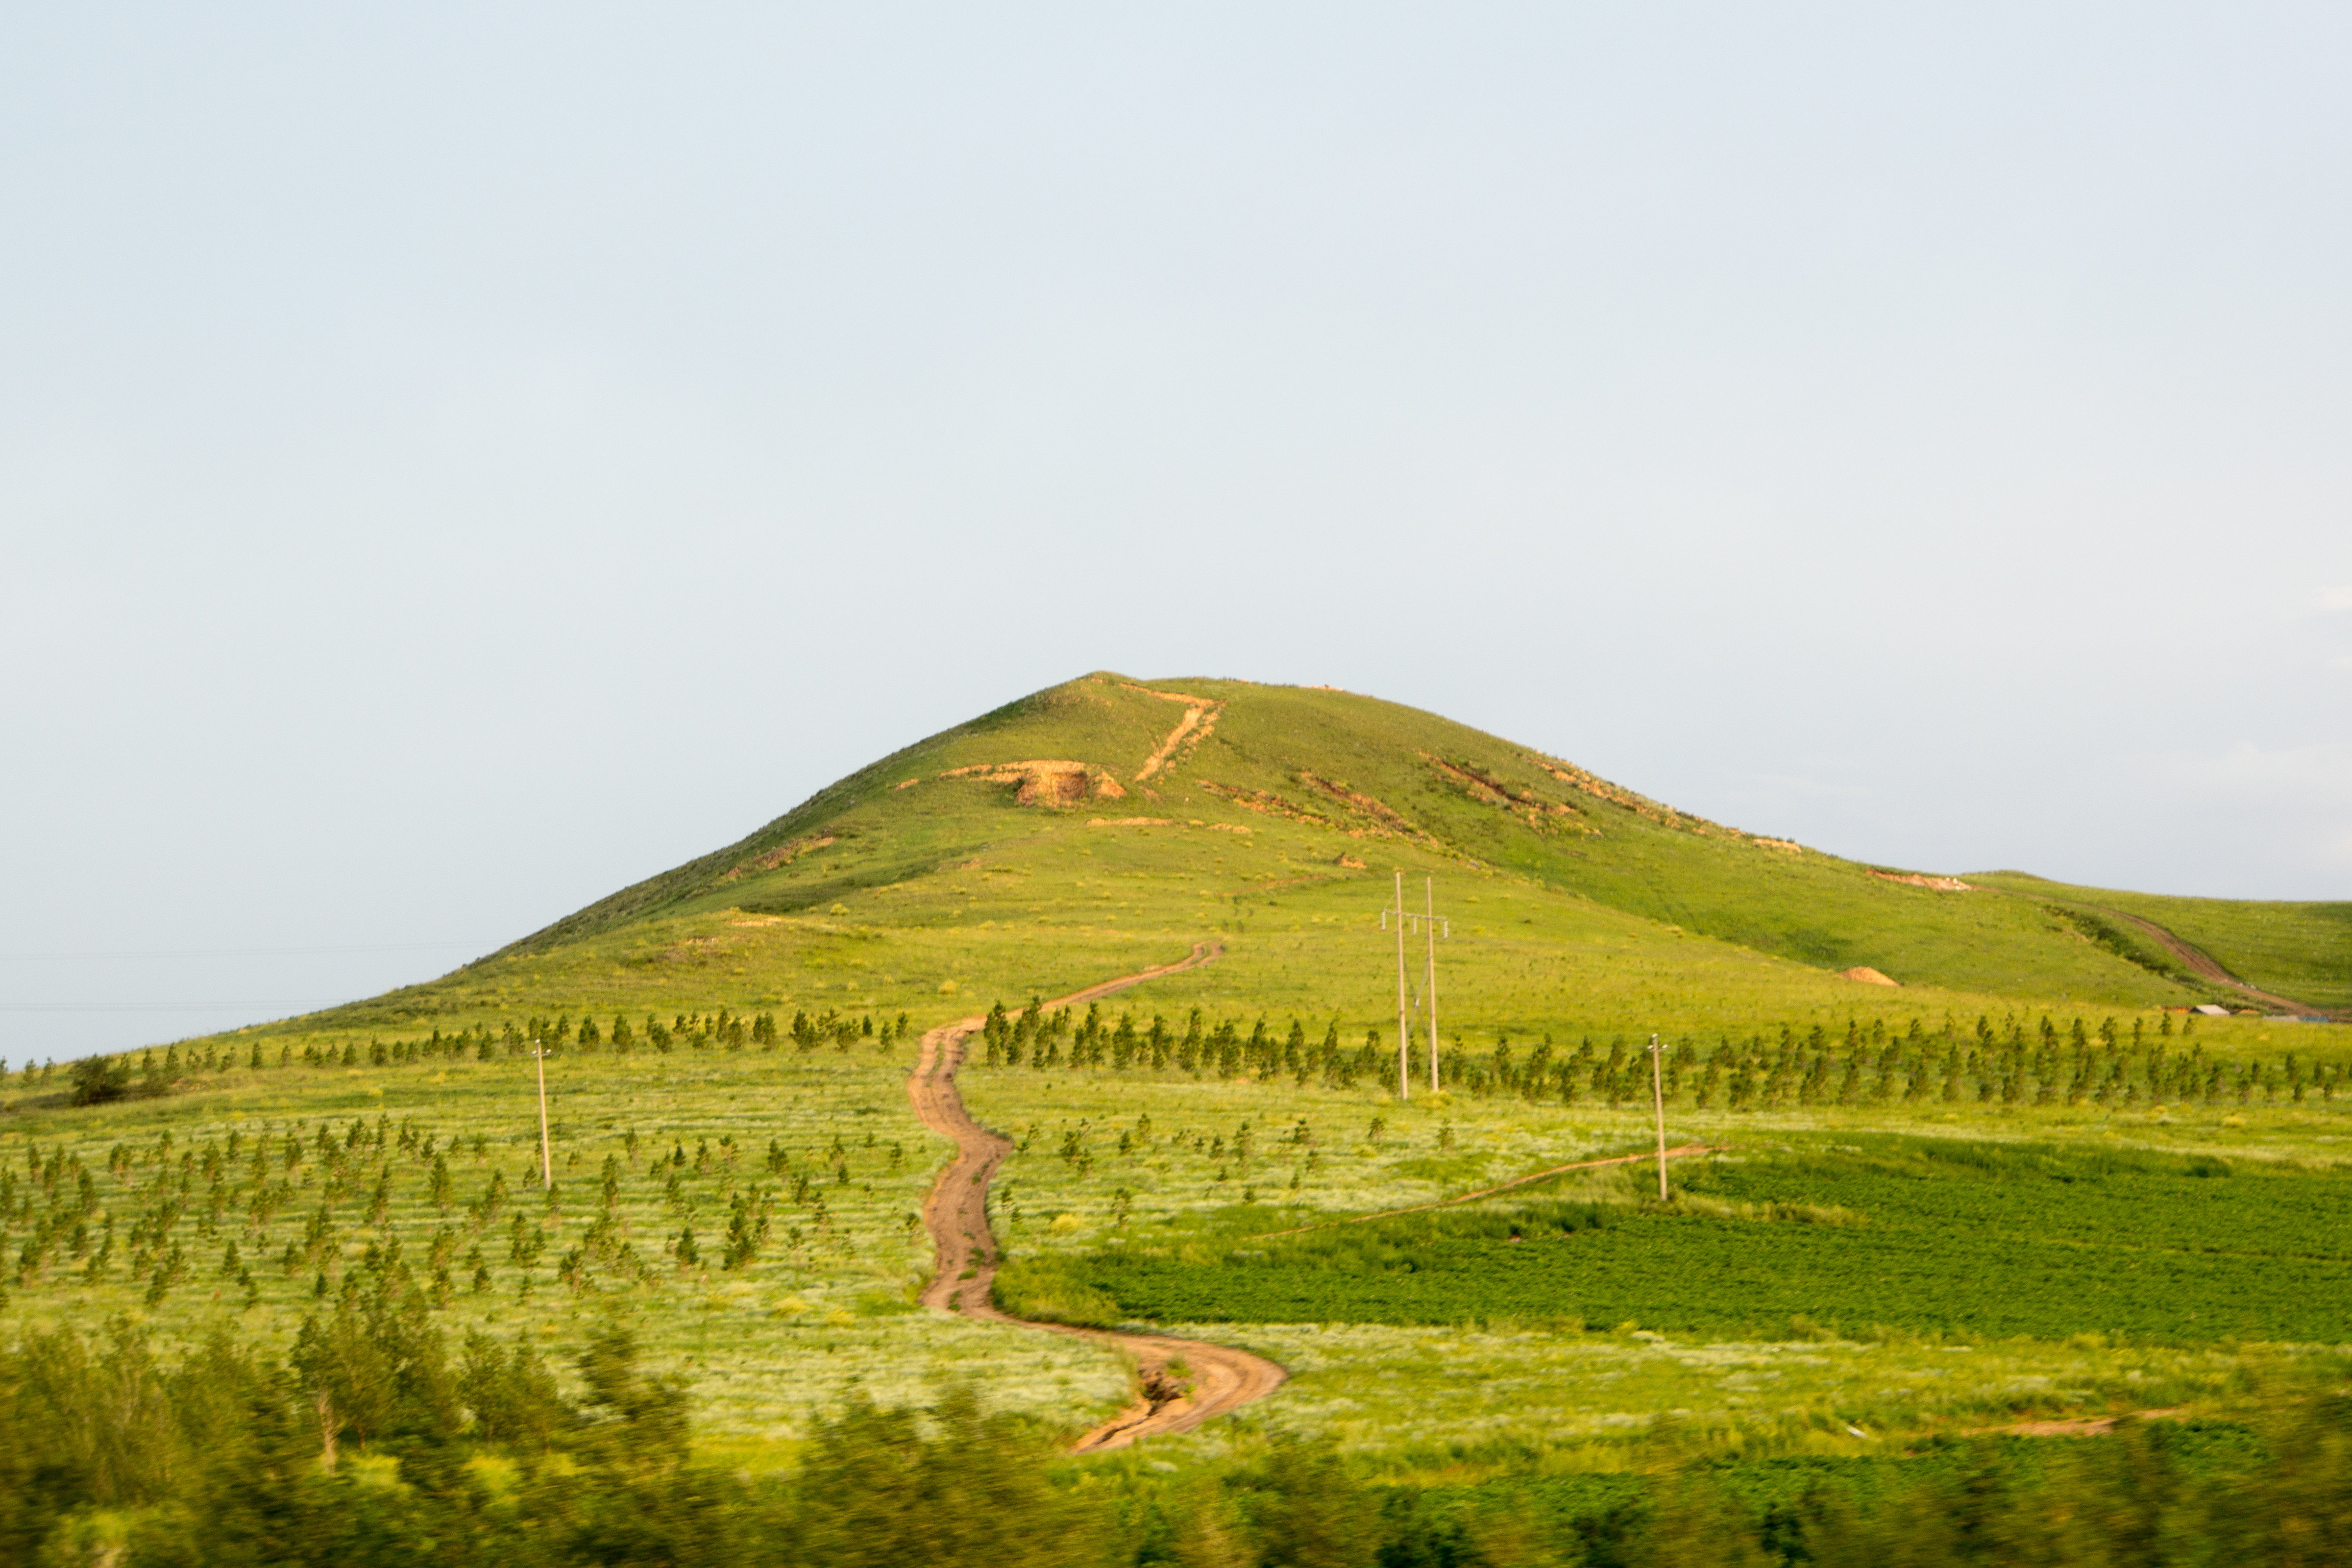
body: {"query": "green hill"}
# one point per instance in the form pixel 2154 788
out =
pixel 737 1174
pixel 1106 795
pixel 2297 950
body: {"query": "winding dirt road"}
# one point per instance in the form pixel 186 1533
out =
pixel 2204 965
pixel 1216 1378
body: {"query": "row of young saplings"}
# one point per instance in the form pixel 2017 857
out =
pixel 98 1079
pixel 2005 1065
pixel 58 1215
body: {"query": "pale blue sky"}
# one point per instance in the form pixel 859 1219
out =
pixel 457 460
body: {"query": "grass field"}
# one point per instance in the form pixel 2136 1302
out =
pixel 1969 1197
pixel 2298 949
pixel 822 1306
pixel 1853 1238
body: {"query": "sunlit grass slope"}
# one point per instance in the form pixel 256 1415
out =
pixel 1051 841
pixel 2302 951
pixel 250 1199
pixel 1089 831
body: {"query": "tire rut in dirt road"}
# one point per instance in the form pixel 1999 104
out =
pixel 965 1251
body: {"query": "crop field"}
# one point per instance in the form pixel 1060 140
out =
pixel 2019 1243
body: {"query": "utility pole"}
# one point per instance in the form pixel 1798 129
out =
pixel 1658 1089
pixel 546 1160
pixel 1404 1029
pixel 1429 906
pixel 1435 927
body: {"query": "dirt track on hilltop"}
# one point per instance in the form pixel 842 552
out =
pixel 2206 966
pixel 966 1255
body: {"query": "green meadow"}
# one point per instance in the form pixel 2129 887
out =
pixel 2022 1183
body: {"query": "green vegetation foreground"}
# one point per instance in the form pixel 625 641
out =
pixel 371 1443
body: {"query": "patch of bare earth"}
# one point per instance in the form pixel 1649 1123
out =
pixel 781 855
pixel 1199 718
pixel 1046 782
pixel 2084 1427
pixel 1935 884
pixel 1361 816
pixel 1867 975
pixel 1488 790
pixel 1599 788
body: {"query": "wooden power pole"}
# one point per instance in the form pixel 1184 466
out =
pixel 1658 1089
pixel 1434 926
pixel 546 1160
pixel 1429 906
pixel 1405 1028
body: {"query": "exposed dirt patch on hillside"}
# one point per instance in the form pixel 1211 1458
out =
pixel 1359 815
pixel 782 853
pixel 1379 811
pixel 966 1255
pixel 1543 815
pixel 1052 782
pixel 1867 975
pixel 1937 884
pixel 1266 802
pixel 1199 718
pixel 1593 784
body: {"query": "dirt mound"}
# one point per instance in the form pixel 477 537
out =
pixel 1867 975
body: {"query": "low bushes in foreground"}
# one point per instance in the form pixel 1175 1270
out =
pixel 371 1443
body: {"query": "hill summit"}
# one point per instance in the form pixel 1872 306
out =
pixel 1327 786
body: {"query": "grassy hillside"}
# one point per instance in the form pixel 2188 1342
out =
pixel 1319 778
pixel 2301 951
pixel 730 1040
